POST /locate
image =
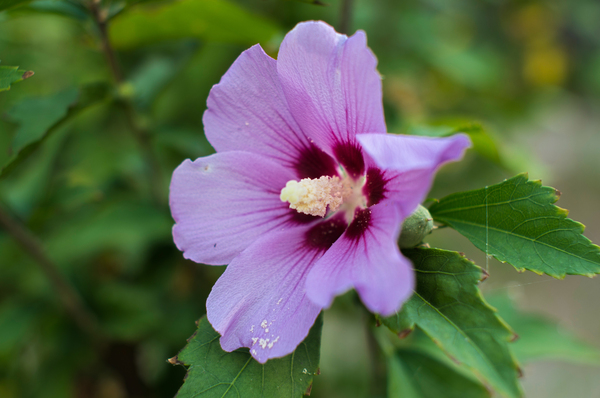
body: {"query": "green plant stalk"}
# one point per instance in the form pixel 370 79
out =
pixel 346 16
pixel 69 297
pixel 140 134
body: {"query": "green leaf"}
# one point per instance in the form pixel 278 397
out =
pixel 153 75
pixel 71 9
pixel 40 117
pixel 542 338
pixel 213 372
pixel 516 222
pixel 447 305
pixel 36 115
pixel 212 20
pixel 12 74
pixel 416 374
pixel 5 4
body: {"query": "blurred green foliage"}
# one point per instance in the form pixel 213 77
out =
pixel 87 148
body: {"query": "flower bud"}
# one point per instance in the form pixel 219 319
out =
pixel 418 225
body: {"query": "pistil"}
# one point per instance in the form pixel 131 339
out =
pixel 317 196
pixel 313 195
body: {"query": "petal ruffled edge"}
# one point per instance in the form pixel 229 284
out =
pixel 331 84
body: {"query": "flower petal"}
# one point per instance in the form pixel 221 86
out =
pixel 367 259
pixel 223 202
pixel 331 84
pixel 247 111
pixel 260 301
pixel 409 163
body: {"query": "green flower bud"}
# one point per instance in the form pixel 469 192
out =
pixel 418 225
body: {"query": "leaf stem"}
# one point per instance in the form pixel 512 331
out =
pixel 100 19
pixel 378 378
pixel 68 295
pixel 346 16
pixel 140 133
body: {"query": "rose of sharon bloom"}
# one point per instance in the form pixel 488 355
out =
pixel 306 194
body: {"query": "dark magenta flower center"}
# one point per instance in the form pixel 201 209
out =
pixel 362 188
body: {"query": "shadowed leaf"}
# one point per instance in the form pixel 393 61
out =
pixel 212 20
pixel 40 117
pixel 71 9
pixel 5 4
pixel 447 305
pixel 416 374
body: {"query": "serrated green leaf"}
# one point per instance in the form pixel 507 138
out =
pixel 516 222
pixel 542 338
pixel 213 372
pixel 12 74
pixel 40 117
pixel 212 20
pixel 416 374
pixel 447 305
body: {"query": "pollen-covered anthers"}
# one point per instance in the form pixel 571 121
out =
pixel 313 195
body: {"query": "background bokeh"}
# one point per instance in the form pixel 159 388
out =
pixel 95 192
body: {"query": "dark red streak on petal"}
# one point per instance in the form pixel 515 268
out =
pixel 314 163
pixel 349 154
pixel 301 218
pixel 325 233
pixel 358 226
pixel 374 189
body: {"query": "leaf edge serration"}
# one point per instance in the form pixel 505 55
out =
pixel 560 213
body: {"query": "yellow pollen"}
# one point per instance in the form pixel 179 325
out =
pixel 313 195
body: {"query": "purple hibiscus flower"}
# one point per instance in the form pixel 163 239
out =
pixel 306 194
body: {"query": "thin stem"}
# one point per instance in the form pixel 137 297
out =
pixel 375 355
pixel 67 294
pixel 140 134
pixel 101 22
pixel 346 16
pixel 143 138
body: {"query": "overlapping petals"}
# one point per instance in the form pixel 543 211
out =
pixel 315 112
pixel 370 262
pixel 410 163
